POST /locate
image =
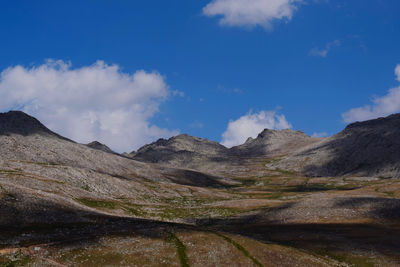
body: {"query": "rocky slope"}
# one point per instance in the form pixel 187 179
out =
pixel 99 146
pixel 369 148
pixel 39 168
pixel 186 151
pixel 179 146
pixel 274 143
pixel 67 204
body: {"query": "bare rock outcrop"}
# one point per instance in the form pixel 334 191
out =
pixel 99 146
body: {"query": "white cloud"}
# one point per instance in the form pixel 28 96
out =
pixel 397 72
pixel 250 125
pixel 319 135
pixel 382 106
pixel 324 52
pixel 97 102
pixel 250 13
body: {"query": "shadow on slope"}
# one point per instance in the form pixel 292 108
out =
pixel 381 208
pixel 195 178
pixel 362 148
pixel 380 237
pixel 44 221
pixel 50 222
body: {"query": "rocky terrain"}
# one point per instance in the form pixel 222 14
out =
pixel 281 199
pixel 99 146
pixel 369 148
pixel 186 151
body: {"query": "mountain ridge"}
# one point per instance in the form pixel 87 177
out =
pixel 64 202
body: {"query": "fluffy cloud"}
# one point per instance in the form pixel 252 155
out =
pixel 324 52
pixel 97 102
pixel 382 106
pixel 250 125
pixel 251 13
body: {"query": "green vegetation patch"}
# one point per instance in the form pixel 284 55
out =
pixel 172 213
pixel 274 196
pixel 135 210
pixel 131 209
pixel 180 247
pixel 45 164
pixel 285 172
pixel 184 201
pixel 93 203
pixel 86 188
pixel 352 260
pixel 390 194
pixel 319 187
pixel 11 173
pixel 92 257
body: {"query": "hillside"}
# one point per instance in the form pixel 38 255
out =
pixel 193 202
pixel 186 151
pixel 369 148
pixel 273 143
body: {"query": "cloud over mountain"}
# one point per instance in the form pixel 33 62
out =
pixel 381 106
pixel 97 102
pixel 250 125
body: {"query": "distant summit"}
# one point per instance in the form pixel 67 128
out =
pixel 186 151
pixel 179 148
pixel 368 148
pixel 18 122
pixel 270 142
pixel 99 146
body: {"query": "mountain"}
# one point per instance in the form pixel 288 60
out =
pixel 273 142
pixel 99 146
pixel 191 200
pixel 164 150
pixel 38 166
pixel 369 148
pixel 20 123
pixel 184 151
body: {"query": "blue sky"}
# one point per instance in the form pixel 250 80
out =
pixel 312 65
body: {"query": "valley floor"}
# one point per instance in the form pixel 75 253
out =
pixel 266 217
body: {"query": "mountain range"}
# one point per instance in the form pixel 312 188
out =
pixel 280 199
pixel 369 148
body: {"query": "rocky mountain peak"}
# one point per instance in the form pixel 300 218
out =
pixel 268 133
pixel 368 148
pixel 181 150
pixel 272 141
pixel 184 142
pixel 391 122
pixel 99 146
pixel 18 122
